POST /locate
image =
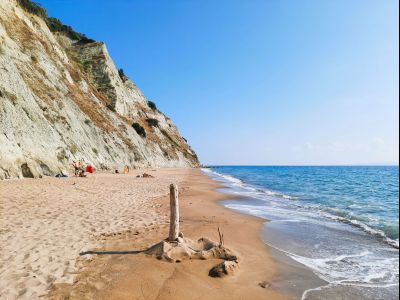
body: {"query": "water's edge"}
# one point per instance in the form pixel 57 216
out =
pixel 293 278
pixel 296 277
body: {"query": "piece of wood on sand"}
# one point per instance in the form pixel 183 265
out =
pixel 174 217
pixel 177 248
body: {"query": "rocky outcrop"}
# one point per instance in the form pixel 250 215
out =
pixel 125 98
pixel 61 101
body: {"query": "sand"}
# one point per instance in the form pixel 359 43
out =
pixel 46 223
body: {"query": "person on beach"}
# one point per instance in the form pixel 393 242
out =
pixel 79 168
pixel 76 168
pixel 82 169
pixel 126 170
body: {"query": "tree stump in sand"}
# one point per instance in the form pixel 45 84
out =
pixel 177 248
pixel 174 217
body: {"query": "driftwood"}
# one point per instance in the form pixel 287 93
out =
pixel 221 238
pixel 177 248
pixel 174 217
pixel 184 248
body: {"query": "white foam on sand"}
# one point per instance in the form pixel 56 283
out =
pixel 253 191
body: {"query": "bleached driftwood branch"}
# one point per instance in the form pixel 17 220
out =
pixel 174 217
pixel 221 238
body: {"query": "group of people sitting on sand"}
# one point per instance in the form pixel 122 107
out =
pixel 80 168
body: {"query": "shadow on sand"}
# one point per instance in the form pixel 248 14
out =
pixel 112 252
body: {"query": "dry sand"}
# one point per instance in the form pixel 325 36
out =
pixel 46 223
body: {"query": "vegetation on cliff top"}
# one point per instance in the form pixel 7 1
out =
pixel 152 105
pixel 122 75
pixel 55 25
pixel 33 8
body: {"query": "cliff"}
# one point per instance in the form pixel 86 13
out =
pixel 62 100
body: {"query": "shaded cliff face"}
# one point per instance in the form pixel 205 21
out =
pixel 61 101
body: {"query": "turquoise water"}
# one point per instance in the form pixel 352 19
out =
pixel 341 222
pixel 369 195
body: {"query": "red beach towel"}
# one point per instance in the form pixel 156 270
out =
pixel 89 169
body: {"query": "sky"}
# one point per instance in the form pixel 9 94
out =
pixel 260 82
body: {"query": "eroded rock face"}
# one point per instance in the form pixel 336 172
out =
pixel 61 102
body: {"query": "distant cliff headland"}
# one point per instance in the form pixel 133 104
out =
pixel 62 98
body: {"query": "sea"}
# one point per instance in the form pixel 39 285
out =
pixel 341 222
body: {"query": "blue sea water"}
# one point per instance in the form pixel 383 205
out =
pixel 340 221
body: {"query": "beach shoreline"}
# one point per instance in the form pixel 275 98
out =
pixel 144 222
pixel 122 276
pixel 350 263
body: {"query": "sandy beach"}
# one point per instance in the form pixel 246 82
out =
pixel 47 223
pixel 215 150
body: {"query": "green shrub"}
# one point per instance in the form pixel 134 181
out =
pixel 139 129
pixel 152 105
pixel 87 122
pixel 121 74
pixel 33 8
pixel 55 25
pixel 85 40
pixel 152 122
pixel 95 151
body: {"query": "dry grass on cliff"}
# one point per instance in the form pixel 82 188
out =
pixel 75 75
pixel 169 145
pixel 24 36
pixel 98 115
pixel 90 108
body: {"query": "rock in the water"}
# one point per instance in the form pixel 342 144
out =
pixel 223 269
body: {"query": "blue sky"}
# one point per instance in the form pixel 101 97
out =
pixel 260 82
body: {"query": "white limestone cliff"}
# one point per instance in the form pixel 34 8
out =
pixel 61 101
